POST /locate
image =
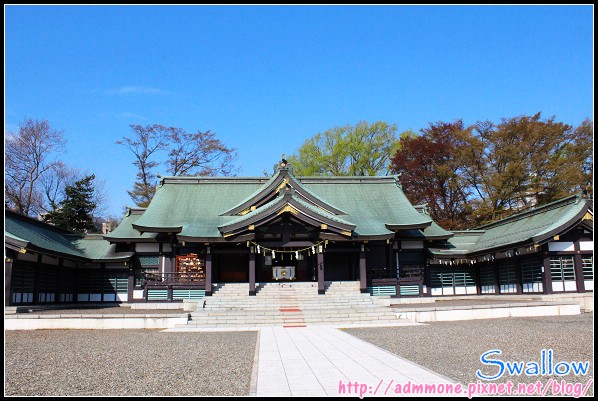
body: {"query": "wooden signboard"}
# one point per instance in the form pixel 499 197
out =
pixel 190 267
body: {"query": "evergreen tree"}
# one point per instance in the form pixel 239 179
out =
pixel 75 212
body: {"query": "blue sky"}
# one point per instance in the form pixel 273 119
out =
pixel 266 78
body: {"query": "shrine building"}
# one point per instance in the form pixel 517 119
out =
pixel 199 232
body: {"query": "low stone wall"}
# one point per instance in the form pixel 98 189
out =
pixel 186 305
pixel 439 314
pixel 585 299
pixel 32 321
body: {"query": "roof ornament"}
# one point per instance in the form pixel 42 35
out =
pixel 283 165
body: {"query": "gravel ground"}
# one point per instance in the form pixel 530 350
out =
pixel 105 311
pixel 127 362
pixel 454 348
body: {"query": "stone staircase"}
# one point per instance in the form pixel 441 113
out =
pixel 290 305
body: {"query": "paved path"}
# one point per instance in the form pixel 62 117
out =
pixel 310 361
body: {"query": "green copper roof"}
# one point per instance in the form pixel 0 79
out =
pixel 194 206
pixel 460 244
pixel 376 205
pixel 533 226
pixel 288 197
pixel 125 230
pixel 282 178
pixel 40 236
pixel 96 248
pixel 432 232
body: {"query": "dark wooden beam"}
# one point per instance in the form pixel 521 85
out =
pixel 546 277
pixel 578 266
pixel 251 273
pixel 208 273
pixel 320 267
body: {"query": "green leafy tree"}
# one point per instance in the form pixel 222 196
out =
pixel 525 161
pixel 76 212
pixel 472 175
pixel 363 149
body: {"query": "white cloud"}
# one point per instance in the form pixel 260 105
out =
pixel 144 90
pixel 128 115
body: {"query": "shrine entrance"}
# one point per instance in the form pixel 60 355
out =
pixel 286 267
pixel 231 267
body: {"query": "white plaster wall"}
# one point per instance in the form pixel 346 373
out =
pixel 561 246
pixel 586 245
pixel 145 247
pixel 412 245
pixel 589 285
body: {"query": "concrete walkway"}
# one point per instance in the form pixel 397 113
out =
pixel 322 361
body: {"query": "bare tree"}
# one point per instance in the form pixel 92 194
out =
pixel 199 153
pixel 145 142
pixel 30 155
pixel 54 183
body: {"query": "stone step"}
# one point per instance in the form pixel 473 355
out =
pixel 231 306
pixel 239 319
pixel 268 315
pixel 266 324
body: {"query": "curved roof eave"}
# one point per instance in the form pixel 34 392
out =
pixel 548 234
pixel 147 229
pixel 279 204
pixel 397 227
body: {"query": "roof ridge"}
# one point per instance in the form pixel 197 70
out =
pixel 199 179
pixel 349 178
pixel 534 210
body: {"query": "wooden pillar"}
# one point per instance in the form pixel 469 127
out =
pixel 131 281
pixel 251 271
pixel 75 273
pixel 59 271
pixel 546 277
pixel 36 278
pixel 494 266
pixel 102 280
pixel 518 277
pixel 427 280
pixel 208 272
pixel 478 278
pixel 363 285
pixel 320 267
pixel 8 264
pixel 578 266
pixel 390 265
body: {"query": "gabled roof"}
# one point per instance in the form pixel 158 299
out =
pixel 280 180
pixel 432 232
pixel 288 200
pixel 125 231
pixel 531 227
pixel 41 237
pixel 534 226
pixel 194 207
